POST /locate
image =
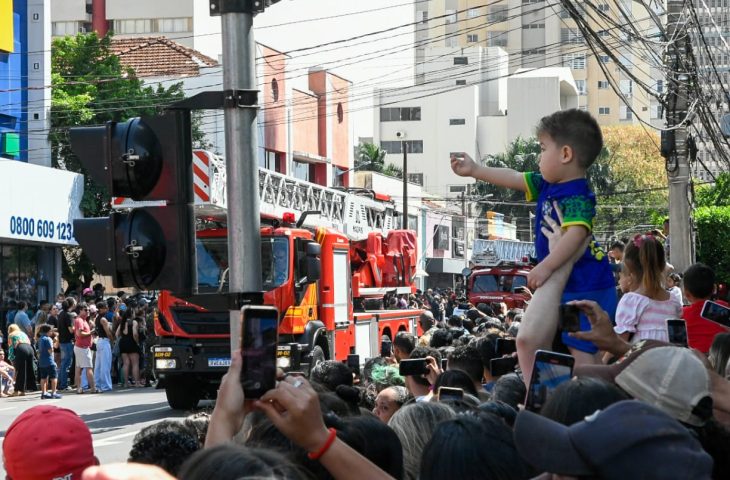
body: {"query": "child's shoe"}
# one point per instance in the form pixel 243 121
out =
pixel 45 396
pixel 56 396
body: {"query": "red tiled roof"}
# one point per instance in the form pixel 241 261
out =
pixel 159 56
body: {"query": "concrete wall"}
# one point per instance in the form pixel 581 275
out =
pixel 127 9
pixel 68 10
pixel 39 78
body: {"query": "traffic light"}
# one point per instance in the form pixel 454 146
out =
pixel 145 159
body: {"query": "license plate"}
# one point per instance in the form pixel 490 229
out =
pixel 219 362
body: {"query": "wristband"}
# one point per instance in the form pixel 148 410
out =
pixel 330 440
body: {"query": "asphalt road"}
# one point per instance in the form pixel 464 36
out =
pixel 113 417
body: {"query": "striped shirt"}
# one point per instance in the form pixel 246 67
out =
pixel 644 317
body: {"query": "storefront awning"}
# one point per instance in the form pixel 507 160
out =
pixel 38 204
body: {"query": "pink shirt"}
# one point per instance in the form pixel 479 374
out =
pixel 80 325
pixel 644 317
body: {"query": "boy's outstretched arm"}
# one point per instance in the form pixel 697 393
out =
pixel 572 239
pixel 464 166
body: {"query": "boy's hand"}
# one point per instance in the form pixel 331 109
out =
pixel 538 275
pixel 463 165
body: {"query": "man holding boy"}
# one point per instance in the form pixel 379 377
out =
pixel 570 141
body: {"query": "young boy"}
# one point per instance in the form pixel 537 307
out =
pixel 7 373
pixel 46 363
pixel 570 141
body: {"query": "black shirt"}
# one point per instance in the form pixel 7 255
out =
pixel 52 321
pixel 64 322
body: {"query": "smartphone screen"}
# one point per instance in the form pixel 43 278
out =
pixel 549 370
pixel 506 346
pixel 569 318
pixel 416 366
pixel 444 363
pixel 259 336
pixel 448 393
pixel 502 366
pixel 386 348
pixel 353 361
pixel 717 313
pixel 677 331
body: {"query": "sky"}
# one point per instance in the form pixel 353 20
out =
pixel 383 60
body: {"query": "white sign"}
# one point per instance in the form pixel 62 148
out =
pixel 39 203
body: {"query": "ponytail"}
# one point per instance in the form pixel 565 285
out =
pixel 645 256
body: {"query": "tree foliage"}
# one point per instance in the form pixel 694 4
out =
pixel 629 172
pixel 713 232
pixel 370 157
pixel 717 194
pixel 90 87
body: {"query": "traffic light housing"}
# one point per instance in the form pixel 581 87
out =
pixel 146 159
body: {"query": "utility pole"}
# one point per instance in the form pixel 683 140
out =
pixel 674 140
pixel 466 226
pixel 404 147
pixel 242 171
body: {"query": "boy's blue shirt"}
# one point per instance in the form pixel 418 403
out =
pixel 578 204
pixel 45 359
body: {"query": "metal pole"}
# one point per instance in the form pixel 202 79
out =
pixel 242 171
pixel 404 147
pixel 466 228
pixel 678 169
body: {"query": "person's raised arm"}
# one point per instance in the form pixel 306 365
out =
pixel 540 320
pixel 572 239
pixel 293 407
pixel 464 166
pixel 227 417
pixel 601 333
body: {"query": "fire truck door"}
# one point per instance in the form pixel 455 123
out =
pixel 341 284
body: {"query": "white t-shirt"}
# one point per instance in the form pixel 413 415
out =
pixel 644 317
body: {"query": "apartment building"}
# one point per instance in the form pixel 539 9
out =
pixel 539 34
pixel 188 22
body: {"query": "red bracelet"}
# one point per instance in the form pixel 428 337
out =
pixel 330 440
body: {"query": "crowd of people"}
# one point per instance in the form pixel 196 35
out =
pixel 80 343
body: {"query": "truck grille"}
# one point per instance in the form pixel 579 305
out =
pixel 194 322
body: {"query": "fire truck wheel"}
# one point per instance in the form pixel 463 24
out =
pixel 181 395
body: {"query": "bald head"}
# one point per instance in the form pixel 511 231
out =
pixel 426 320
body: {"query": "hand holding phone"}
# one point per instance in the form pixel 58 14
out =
pixel 259 338
pixel 449 393
pixel 413 366
pixel 677 331
pixel 506 346
pixel 716 312
pixel 569 318
pixel 502 366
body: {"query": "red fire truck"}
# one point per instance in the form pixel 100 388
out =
pixel 329 284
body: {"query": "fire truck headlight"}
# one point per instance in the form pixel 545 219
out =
pixel 165 363
pixel 283 362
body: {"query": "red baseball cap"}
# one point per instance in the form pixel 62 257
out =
pixel 58 435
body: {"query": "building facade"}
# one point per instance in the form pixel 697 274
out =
pixel 37 203
pixel 540 34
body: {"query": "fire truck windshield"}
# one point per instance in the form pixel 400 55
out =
pixel 212 262
pixel 497 283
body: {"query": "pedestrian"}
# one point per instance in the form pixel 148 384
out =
pixel 22 355
pixel 7 376
pixel 103 364
pixel 82 350
pixel 47 367
pixel 22 320
pixel 570 142
pixel 65 342
pixel 128 334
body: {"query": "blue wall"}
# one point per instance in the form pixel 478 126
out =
pixel 14 83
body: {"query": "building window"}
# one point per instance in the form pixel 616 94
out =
pixel 659 86
pixel 497 39
pixel 274 90
pixel 424 16
pixel 340 113
pixel 602 84
pixel 575 61
pixel 603 7
pixel 457 121
pixel 626 87
pixel 603 33
pixel 604 58
pixel 160 25
pixel 399 114
pixel 571 36
pixel 657 112
pixel 61 29
pixel 472 13
pixel 498 13
pixel 581 86
pixel 174 25
pixel 450 16
pixel 413 146
pixel 271 160
pixel 524 2
pixel 416 178
pixel 461 82
pixel 625 113
pixel 452 41
pixel 133 26
pixel 472 38
pixel 604 110
pixel 532 26
pixel 461 61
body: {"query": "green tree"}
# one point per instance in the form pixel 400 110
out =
pixel 713 231
pixel 90 87
pixel 370 157
pixel 717 194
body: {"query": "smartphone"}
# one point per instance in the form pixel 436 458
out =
pixel 448 393
pixel 386 347
pixel 549 370
pixel 413 366
pixel 717 313
pixel 677 331
pixel 259 338
pixel 569 318
pixel 353 361
pixel 506 346
pixel 502 366
pixel 444 363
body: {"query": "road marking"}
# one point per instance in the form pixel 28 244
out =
pixel 105 442
pixel 104 419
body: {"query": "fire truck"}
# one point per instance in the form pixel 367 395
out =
pixel 499 271
pixel 328 273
